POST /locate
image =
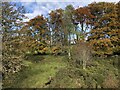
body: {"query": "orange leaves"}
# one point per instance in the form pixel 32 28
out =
pixel 106 28
pixel 38 20
pixel 102 46
pixel 82 11
pixel 39 26
pixel 96 24
pixel 84 17
pixel 56 15
pixel 114 38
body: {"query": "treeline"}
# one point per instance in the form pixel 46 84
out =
pixel 97 24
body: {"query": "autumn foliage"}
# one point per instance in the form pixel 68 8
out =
pixel 39 28
pixel 104 35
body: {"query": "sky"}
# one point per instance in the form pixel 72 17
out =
pixel 38 7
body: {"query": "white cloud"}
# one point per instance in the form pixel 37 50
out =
pixel 34 14
pixel 44 7
pixel 41 8
pixel 104 1
pixel 87 1
pixel 28 0
pixel 53 0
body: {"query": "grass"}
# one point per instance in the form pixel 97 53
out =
pixel 102 73
pixel 37 74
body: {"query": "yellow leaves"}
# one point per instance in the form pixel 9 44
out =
pixel 37 21
pixel 39 26
pixel 114 38
pixel 45 49
pixel 55 50
pixel 102 35
pixel 102 46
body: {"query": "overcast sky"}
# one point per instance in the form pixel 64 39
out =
pixel 38 7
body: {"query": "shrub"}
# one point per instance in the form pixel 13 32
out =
pixel 11 65
pixel 102 47
pixel 56 50
pixel 12 58
pixel 36 47
pixel 99 78
pixel 65 78
pixel 81 54
pixel 110 82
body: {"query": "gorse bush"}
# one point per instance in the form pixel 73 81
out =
pixel 63 79
pixel 102 47
pixel 56 50
pixel 36 47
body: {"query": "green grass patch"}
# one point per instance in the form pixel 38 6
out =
pixel 93 76
pixel 35 75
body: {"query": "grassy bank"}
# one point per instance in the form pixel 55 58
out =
pixel 58 73
pixel 36 74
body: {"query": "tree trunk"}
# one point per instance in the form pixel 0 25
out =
pixel 69 51
pixel 69 54
pixel 84 59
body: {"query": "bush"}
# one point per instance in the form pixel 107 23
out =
pixel 102 47
pixel 110 82
pixel 81 54
pixel 56 50
pixel 36 47
pixel 12 58
pixel 65 78
pixel 11 65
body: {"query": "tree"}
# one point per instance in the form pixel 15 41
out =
pixel 35 36
pixel 81 54
pixel 55 21
pixel 12 17
pixel 104 34
pixel 84 17
pixel 68 25
pixel 39 28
